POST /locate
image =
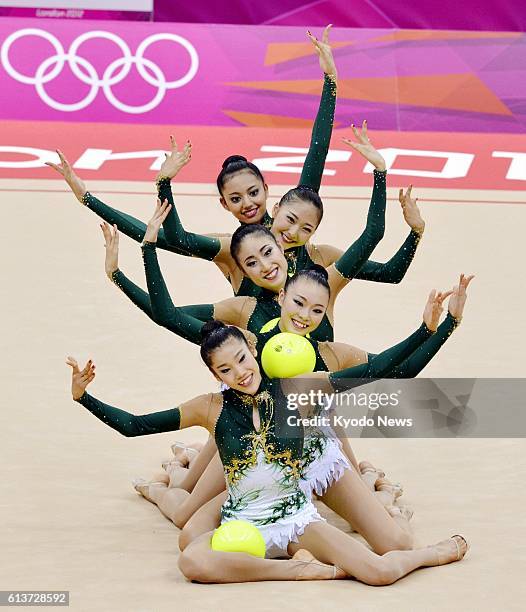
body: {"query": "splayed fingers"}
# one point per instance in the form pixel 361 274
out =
pixel 434 308
pixel 176 159
pixel 324 51
pixel 365 147
pixel 80 379
pixel 459 296
pixel 111 244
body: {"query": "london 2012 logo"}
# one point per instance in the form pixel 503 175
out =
pixel 51 67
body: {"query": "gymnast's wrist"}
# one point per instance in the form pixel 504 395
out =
pixel 332 78
pixel 162 180
pixel 428 329
pixel 148 244
pixel 453 321
pixel 85 198
pixel 419 230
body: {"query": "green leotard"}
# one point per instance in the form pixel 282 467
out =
pixel 188 327
pixel 174 238
pixel 392 271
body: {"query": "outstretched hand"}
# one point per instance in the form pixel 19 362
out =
pixel 154 224
pixel 80 379
pixel 410 210
pixel 459 296
pixel 365 147
pixel 324 51
pixel 434 308
pixel 176 160
pixel 111 243
pixel 75 183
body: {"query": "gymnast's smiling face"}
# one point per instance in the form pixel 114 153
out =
pixel 234 363
pixel 245 195
pixel 263 261
pixel 294 222
pixel 303 304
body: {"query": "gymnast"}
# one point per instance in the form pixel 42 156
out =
pixel 262 459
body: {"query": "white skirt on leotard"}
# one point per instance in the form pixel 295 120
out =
pixel 267 496
pixel 324 461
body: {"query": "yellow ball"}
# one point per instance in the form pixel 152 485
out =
pixel 286 355
pixel 269 325
pixel 239 536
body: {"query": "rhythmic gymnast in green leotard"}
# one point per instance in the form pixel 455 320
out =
pixel 258 447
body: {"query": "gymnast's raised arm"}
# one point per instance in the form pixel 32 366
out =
pixel 128 225
pixel 347 266
pixel 202 410
pixel 377 366
pixel 312 171
pixel 393 270
pixel 164 312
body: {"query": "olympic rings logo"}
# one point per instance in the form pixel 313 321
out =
pixel 116 72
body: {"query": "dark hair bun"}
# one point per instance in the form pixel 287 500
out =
pixel 319 270
pixel 315 273
pixel 306 188
pixel 232 159
pixel 210 327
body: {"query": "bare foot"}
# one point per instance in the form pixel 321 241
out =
pixel 168 463
pixel 161 477
pixel 312 569
pixel 450 550
pixel 143 487
pixel 404 512
pixel 176 473
pixel 394 489
pixel 370 474
pixel 181 459
pixel 186 453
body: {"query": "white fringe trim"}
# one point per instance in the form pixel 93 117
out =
pixel 279 535
pixel 325 470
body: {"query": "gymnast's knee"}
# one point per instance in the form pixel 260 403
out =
pixel 400 541
pixel 187 536
pixel 193 566
pixel 180 516
pixel 382 574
